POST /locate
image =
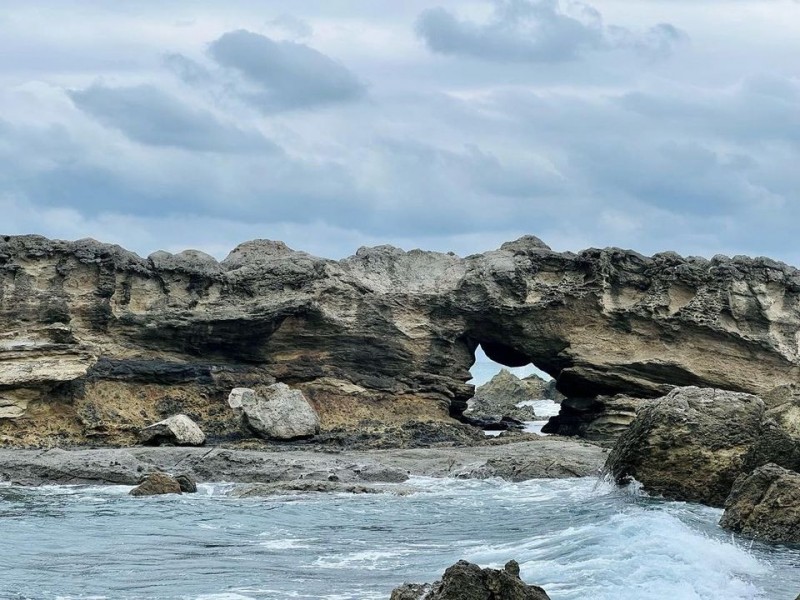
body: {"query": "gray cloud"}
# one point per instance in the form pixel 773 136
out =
pixel 286 75
pixel 292 25
pixel 537 31
pixel 150 116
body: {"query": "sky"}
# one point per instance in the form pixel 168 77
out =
pixel 444 125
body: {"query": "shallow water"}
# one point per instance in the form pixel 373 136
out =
pixel 577 538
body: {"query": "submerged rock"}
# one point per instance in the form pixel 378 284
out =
pixel 467 581
pixel 179 430
pixel 157 483
pixel 765 504
pixel 276 412
pixel 689 445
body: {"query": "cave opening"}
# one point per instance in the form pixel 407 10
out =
pixel 484 368
pixel 511 393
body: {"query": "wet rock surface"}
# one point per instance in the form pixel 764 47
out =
pixel 542 457
pixel 689 445
pixel 156 484
pixel 467 581
pixel 765 505
pixel 98 342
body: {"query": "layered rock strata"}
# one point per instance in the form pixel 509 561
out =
pixel 97 342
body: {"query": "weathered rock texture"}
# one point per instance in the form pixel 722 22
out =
pixel 765 504
pixel 156 484
pixel 601 419
pixel 276 412
pixel 97 342
pixel 689 445
pixel 499 396
pixel 467 581
pixel 179 430
pixel 779 439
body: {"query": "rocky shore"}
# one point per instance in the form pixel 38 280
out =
pixel 97 343
pixel 279 368
pixel 517 461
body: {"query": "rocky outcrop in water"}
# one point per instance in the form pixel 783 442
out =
pixel 156 484
pixel 97 342
pixel 765 504
pixel 467 581
pixel 689 445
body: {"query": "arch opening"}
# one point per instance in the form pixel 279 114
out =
pixel 509 395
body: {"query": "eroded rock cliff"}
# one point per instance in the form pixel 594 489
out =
pixel 96 342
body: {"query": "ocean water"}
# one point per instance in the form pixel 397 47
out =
pixel 580 539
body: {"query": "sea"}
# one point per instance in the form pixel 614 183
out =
pixel 578 538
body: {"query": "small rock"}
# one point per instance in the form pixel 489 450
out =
pixel 157 483
pixel 187 483
pixel 467 581
pixel 765 504
pixel 178 430
pixel 276 412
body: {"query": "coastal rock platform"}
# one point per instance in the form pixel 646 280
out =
pixel 542 458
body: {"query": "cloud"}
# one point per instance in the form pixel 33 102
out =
pixel 285 75
pixel 150 116
pixel 537 31
pixel 292 25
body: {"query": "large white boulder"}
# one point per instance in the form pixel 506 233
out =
pixel 276 412
pixel 179 430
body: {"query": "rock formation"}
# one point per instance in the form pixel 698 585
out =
pixel 179 430
pixel 156 484
pixel 276 412
pixel 601 419
pixel 499 397
pixel 689 445
pixel 467 581
pixel 779 439
pixel 97 342
pixel 765 504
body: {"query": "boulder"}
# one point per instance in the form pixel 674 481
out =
pixel 601 419
pixel 765 504
pixel 689 445
pixel 157 483
pixel 276 412
pixel 467 581
pixel 178 430
pixel 779 441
